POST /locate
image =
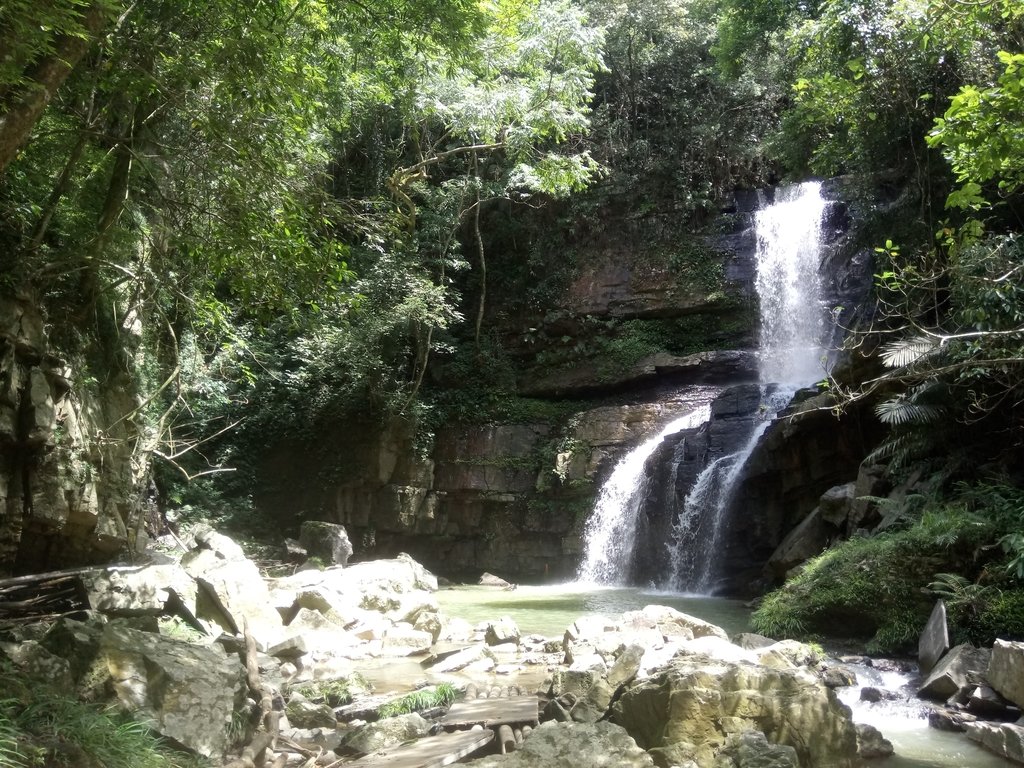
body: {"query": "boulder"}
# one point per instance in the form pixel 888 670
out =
pixel 412 604
pixel 984 702
pixel 504 630
pixel 490 580
pixel 751 749
pixel 626 666
pixel 836 504
pixel 1006 670
pixel 838 676
pixel 1005 739
pixel 232 590
pixel 572 745
pixel 307 714
pixel 430 622
pixel 802 543
pixel 342 609
pixel 945 719
pixel 751 641
pixel 672 623
pixel 290 648
pixel 962 666
pixel 35 661
pixel 138 591
pixel 464 658
pixel 405 640
pixel 697 702
pixel 934 641
pixel 385 733
pixel 593 706
pixel 188 693
pixel 871 745
pixel 327 542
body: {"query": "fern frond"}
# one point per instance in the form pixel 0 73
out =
pixel 899 411
pixel 902 352
pixel 887 449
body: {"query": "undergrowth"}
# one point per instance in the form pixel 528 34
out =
pixel 44 728
pixel 881 588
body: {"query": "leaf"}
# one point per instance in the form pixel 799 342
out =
pixel 897 412
pixel 903 352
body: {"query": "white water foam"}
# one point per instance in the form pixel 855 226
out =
pixel 612 528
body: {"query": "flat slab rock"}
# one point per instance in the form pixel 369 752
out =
pixel 488 712
pixel 431 752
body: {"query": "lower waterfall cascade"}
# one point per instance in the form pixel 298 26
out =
pixel 612 529
pixel 793 325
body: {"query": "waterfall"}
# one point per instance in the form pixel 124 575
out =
pixel 788 284
pixel 612 528
pixel 696 529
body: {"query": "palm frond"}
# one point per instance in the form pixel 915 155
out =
pixel 899 411
pixel 903 352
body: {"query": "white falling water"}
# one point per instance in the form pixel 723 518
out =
pixel 696 530
pixel 788 284
pixel 611 530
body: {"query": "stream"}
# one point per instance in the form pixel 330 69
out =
pixel 548 610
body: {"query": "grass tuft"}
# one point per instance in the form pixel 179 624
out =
pixel 440 695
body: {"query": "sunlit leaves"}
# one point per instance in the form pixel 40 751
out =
pixel 982 135
pixel 902 352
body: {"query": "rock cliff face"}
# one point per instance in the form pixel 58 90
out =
pixel 513 498
pixel 68 483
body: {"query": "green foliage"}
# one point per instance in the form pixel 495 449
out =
pixel 878 587
pixel 676 136
pixel 440 695
pixel 43 727
pixel 982 135
pixel 1001 616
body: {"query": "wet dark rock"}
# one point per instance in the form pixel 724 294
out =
pixel 872 694
pixel 871 745
pixel 838 677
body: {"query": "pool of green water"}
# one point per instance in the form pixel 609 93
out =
pixel 549 610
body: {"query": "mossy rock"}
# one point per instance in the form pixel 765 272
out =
pixel 873 589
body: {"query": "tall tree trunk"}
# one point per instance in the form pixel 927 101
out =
pixel 22 107
pixel 483 275
pixel 60 187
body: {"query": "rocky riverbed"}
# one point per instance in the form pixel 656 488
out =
pixel 218 658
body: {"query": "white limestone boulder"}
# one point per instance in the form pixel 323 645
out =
pixel 1006 670
pixel 594 745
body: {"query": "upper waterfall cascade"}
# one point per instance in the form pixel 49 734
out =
pixel 789 286
pixel 792 325
pixel 789 289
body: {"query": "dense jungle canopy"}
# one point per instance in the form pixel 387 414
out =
pixel 266 218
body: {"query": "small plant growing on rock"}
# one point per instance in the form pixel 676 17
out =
pixel 336 693
pixel 441 695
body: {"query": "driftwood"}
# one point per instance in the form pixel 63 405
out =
pixel 43 596
pixel 265 738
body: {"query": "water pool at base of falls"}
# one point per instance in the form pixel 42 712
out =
pixel 548 610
